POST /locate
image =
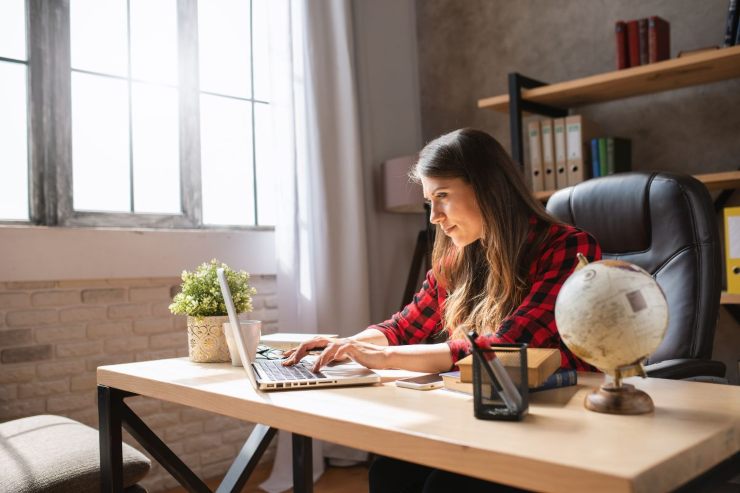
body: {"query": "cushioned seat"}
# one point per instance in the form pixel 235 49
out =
pixel 666 224
pixel 49 454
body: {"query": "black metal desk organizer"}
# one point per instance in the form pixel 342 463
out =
pixel 500 392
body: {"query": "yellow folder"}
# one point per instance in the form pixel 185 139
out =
pixel 732 248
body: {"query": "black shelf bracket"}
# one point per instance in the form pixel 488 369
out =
pixel 721 200
pixel 517 106
pixel 734 311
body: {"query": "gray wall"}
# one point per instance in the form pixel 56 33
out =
pixel 467 48
pixel 388 91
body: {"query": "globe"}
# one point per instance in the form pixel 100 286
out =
pixel 611 314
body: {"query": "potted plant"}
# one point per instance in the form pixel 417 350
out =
pixel 201 300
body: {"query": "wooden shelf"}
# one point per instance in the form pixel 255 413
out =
pixel 729 298
pixel 713 181
pixel 690 70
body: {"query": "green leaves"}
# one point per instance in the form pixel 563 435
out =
pixel 201 295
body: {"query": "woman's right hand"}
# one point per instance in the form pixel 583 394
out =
pixel 330 346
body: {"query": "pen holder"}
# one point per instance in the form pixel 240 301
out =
pixel 500 391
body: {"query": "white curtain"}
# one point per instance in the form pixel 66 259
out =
pixel 322 278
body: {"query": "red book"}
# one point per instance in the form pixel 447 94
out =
pixel 659 39
pixel 643 28
pixel 633 43
pixel 620 28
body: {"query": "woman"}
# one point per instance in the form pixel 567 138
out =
pixel 499 261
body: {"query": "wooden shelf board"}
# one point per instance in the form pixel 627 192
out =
pixel 713 181
pixel 729 298
pixel 690 70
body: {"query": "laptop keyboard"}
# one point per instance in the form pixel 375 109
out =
pixel 275 370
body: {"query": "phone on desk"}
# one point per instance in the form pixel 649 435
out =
pixel 423 382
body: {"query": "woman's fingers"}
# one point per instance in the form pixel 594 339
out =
pixel 297 354
pixel 294 355
pixel 327 356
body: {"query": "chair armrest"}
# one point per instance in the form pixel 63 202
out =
pixel 679 369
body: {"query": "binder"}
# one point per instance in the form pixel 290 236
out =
pixel 732 248
pixel 595 161
pixel 548 154
pixel 603 160
pixel 618 155
pixel 535 156
pixel 578 135
pixel 558 130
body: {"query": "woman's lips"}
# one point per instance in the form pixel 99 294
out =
pixel 447 230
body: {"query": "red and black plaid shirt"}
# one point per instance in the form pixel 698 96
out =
pixel 533 322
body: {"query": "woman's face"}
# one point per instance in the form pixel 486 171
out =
pixel 454 208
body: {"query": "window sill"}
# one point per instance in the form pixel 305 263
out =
pixel 40 253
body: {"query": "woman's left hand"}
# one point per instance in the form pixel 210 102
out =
pixel 364 353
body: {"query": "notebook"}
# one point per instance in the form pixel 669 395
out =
pixel 272 375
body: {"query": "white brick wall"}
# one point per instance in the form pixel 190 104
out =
pixel 54 334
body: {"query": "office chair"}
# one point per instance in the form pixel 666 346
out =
pixel 666 224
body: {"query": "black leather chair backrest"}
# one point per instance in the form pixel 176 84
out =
pixel 666 224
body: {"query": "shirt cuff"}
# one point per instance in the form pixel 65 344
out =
pixel 389 334
pixel 459 348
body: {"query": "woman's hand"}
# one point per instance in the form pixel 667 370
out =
pixel 364 353
pixel 293 356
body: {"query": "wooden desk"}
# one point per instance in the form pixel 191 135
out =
pixel 559 447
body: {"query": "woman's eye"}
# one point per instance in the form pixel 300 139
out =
pixel 441 195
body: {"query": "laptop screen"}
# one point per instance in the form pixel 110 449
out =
pixel 234 321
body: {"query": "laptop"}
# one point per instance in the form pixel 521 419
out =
pixel 266 374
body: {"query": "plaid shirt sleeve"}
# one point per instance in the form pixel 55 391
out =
pixel 533 322
pixel 419 320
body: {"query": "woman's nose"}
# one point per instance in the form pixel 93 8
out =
pixel 435 215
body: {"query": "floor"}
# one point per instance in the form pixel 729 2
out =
pixel 334 480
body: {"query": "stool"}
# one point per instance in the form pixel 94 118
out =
pixel 51 454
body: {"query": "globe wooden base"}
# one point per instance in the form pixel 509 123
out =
pixel 625 399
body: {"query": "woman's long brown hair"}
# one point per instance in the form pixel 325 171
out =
pixel 487 279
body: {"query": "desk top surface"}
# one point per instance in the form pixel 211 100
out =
pixel 559 446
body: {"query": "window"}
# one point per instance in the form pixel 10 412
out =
pixel 151 113
pixel 13 116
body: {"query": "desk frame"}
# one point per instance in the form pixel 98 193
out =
pixel 114 414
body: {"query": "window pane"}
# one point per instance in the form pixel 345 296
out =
pixel 266 179
pixel 13 142
pixel 13 29
pixel 223 36
pixel 100 144
pixel 99 36
pixel 154 40
pixel 260 24
pixel 226 161
pixel 156 149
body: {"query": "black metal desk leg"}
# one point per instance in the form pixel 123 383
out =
pixel 111 460
pixel 302 464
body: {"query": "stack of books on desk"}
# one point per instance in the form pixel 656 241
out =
pixel 542 372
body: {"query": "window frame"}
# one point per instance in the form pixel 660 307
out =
pixel 49 112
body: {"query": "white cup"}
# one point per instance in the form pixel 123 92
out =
pixel 243 344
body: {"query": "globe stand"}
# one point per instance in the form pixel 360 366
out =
pixel 620 398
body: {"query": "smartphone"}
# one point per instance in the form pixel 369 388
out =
pixel 423 382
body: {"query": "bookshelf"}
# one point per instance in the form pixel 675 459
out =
pixel 729 298
pixel 690 70
pixel 713 181
pixel 529 96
